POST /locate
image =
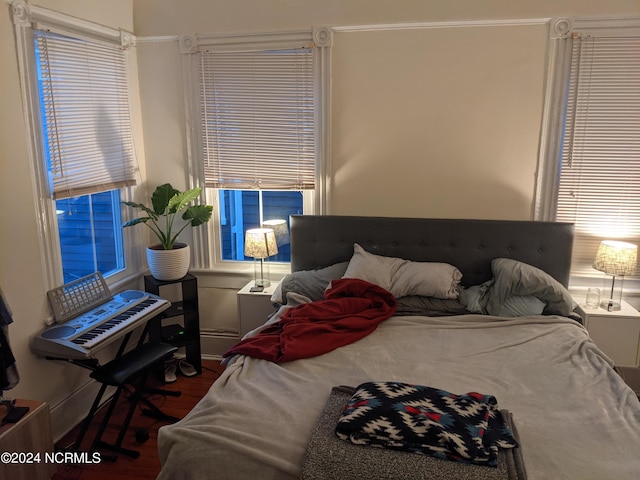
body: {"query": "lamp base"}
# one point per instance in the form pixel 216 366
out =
pixel 261 272
pixel 610 305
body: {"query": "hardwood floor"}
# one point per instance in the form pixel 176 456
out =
pixel 147 465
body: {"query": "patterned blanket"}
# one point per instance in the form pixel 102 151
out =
pixel 327 456
pixel 466 428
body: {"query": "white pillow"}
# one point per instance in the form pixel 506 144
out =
pixel 403 277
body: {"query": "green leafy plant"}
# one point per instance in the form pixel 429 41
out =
pixel 167 202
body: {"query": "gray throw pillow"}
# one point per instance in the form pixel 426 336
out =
pixel 475 299
pixel 310 283
pixel 512 277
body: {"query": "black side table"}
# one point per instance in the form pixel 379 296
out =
pixel 186 335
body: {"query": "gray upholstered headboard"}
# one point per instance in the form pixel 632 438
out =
pixel 319 241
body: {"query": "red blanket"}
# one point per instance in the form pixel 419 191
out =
pixel 351 310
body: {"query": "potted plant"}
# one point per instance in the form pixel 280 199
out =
pixel 169 260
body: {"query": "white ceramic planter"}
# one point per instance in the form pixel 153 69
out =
pixel 169 264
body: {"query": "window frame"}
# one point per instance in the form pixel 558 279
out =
pixel 206 253
pixel 26 19
pixel 555 103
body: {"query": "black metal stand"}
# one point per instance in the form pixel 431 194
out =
pixel 127 371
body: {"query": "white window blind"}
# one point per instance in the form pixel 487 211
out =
pixel 86 113
pixel 257 113
pixel 599 186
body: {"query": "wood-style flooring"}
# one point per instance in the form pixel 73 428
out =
pixel 147 465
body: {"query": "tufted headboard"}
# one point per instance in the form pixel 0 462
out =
pixel 470 245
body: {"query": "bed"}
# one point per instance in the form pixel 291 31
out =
pixel 573 415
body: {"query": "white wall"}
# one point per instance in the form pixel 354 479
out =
pixel 475 161
pixel 437 122
pixel 176 17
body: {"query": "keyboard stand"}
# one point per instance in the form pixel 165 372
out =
pixel 127 371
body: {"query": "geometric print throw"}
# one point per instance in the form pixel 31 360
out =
pixel 465 428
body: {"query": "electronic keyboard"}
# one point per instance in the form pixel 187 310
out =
pixel 84 335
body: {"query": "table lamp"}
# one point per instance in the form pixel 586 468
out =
pixel 615 258
pixel 260 243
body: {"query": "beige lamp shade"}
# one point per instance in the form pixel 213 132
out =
pixel 260 243
pixel 280 229
pixel 616 258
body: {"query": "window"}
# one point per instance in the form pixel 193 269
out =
pixel 593 165
pixel 258 132
pixel 76 77
pixel 259 143
pixel 241 210
pixel 90 235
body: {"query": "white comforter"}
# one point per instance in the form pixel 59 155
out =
pixel 575 416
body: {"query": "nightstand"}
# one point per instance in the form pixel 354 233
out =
pixel 254 308
pixel 616 333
